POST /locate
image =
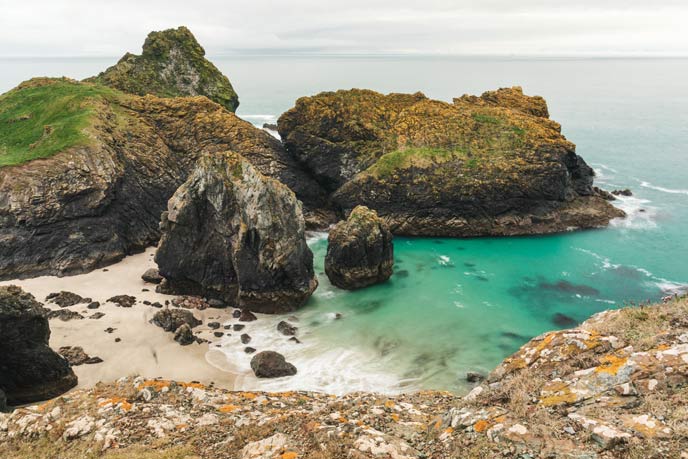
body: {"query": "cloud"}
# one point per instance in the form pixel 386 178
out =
pixel 497 27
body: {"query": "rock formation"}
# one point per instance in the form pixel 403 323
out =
pixel 489 165
pixel 29 370
pixel 270 364
pixel 233 234
pixel 614 387
pixel 359 251
pixel 91 190
pixel 172 64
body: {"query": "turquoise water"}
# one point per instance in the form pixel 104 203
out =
pixel 460 305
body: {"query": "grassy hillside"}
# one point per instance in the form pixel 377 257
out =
pixel 42 117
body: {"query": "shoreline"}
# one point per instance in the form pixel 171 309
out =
pixel 144 349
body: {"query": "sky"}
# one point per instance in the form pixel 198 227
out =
pixel 460 27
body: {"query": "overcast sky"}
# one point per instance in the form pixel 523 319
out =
pixel 495 27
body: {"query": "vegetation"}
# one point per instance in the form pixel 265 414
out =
pixel 408 157
pixel 42 117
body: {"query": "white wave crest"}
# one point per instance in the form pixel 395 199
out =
pixel 639 215
pixel 662 189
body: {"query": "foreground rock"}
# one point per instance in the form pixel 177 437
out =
pixel 172 64
pixel 615 387
pixel 233 234
pixel 270 364
pixel 360 251
pixel 481 166
pixel 29 369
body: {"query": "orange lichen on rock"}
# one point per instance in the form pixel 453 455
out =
pixel 227 408
pixel 114 401
pixel 611 364
pixel 481 426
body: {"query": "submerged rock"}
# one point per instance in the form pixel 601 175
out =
pixel 233 234
pixel 624 192
pixel 172 64
pixel 360 251
pixel 286 328
pixel 270 364
pixel 29 370
pixel 494 165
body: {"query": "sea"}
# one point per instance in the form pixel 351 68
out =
pixel 459 305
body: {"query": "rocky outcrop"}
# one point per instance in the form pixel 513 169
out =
pixel 29 369
pixel 489 165
pixel 360 251
pixel 96 191
pixel 614 387
pixel 233 234
pixel 172 64
pixel 270 364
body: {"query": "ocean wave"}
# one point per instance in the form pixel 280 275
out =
pixel 662 189
pixel 639 215
pixel 332 369
pixel 671 288
pixel 259 117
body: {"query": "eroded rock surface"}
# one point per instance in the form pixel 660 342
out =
pixel 172 64
pixel 489 165
pixel 29 369
pixel 98 192
pixel 233 234
pixel 360 251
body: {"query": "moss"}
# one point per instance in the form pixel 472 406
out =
pixel 403 159
pixel 44 116
pixel 172 64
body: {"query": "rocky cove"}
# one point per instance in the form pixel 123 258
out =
pixel 230 204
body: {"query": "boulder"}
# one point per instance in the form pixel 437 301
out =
pixel 494 165
pixel 65 299
pixel 76 356
pixel 286 328
pixel 245 338
pixel 624 192
pixel 172 64
pixel 171 319
pixel 183 335
pixel 123 301
pixel 270 364
pixel 65 315
pixel 152 276
pixel 29 370
pixel 233 234
pixel 360 251
pixel 246 316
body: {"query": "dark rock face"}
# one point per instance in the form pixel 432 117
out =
pixel 3 401
pixel 270 364
pixel 171 319
pixel 29 370
pixel 172 64
pixel 624 192
pixel 494 165
pixel 233 234
pixel 474 377
pixel 360 251
pixel 90 204
pixel 64 315
pixel 152 276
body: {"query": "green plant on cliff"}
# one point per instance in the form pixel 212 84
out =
pixel 44 116
pixel 172 64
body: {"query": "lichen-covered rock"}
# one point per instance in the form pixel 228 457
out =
pixel 29 369
pixel 233 234
pixel 96 190
pixel 494 165
pixel 271 364
pixel 360 251
pixel 172 64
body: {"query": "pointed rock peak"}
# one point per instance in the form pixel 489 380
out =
pixel 172 64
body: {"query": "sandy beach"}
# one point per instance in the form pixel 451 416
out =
pixel 143 348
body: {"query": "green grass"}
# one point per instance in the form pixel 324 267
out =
pixel 43 117
pixel 401 159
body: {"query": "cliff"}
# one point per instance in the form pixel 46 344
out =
pixel 489 165
pixel 172 64
pixel 614 387
pixel 86 170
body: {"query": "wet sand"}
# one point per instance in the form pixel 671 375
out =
pixel 144 349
